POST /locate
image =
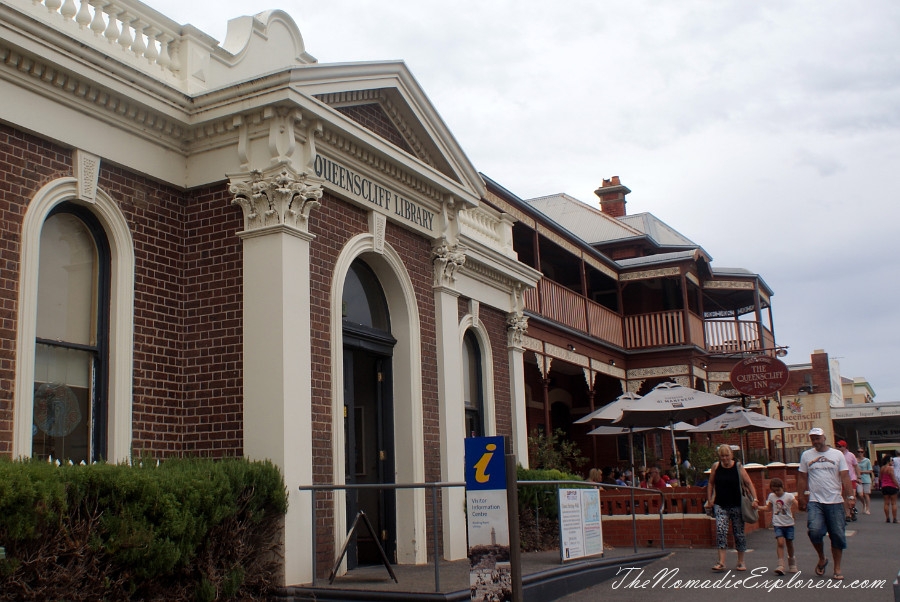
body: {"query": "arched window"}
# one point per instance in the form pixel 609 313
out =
pixel 363 301
pixel 473 385
pixel 70 413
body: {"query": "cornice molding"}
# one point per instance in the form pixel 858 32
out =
pixel 52 81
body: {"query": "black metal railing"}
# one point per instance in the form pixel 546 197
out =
pixel 434 487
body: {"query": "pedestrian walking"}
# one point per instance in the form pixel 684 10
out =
pixel 851 471
pixel 825 491
pixel 889 488
pixel 864 488
pixel 782 505
pixel 723 495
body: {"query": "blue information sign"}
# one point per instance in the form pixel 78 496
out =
pixel 485 463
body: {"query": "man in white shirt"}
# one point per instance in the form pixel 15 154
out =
pixel 852 463
pixel 825 491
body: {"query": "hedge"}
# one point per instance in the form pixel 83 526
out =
pixel 182 529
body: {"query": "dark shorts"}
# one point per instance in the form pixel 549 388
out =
pixel 888 490
pixel 827 518
pixel 786 532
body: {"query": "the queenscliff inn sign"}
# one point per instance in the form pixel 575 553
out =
pixel 364 190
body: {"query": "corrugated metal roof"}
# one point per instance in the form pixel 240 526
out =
pixel 658 230
pixel 658 259
pixel 587 223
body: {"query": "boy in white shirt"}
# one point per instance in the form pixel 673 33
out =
pixel 782 504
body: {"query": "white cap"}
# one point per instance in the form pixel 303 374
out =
pixel 816 431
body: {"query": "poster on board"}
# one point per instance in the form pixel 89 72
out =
pixel 580 532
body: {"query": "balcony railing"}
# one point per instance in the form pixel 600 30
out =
pixel 567 307
pixel 642 331
pixel 657 329
pixel 735 336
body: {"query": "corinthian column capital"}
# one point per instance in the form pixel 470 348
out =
pixel 280 196
pixel 516 326
pixel 447 259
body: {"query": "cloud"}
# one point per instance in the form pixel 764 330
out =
pixel 766 131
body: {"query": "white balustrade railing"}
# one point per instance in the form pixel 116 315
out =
pixel 487 227
pixel 139 32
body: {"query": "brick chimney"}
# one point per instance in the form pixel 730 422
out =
pixel 612 197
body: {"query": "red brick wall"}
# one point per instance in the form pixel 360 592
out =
pixel 156 221
pixel 187 314
pixel 333 224
pixel 372 117
pixel 212 329
pixel 495 322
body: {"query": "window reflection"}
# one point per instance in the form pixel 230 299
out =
pixel 473 393
pixel 363 301
pixel 67 416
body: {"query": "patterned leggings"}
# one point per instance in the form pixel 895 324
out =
pixel 723 516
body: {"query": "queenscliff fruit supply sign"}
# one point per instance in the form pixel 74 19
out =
pixel 759 375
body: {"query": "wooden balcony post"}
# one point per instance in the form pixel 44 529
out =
pixel 685 324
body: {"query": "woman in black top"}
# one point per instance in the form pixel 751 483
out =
pixel 724 495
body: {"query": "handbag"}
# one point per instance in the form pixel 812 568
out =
pixel 750 514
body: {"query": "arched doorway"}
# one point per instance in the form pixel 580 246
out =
pixel 368 413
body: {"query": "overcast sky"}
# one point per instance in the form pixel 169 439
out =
pixel 768 132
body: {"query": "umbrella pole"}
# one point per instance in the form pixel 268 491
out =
pixel 631 449
pixel 741 439
pixel 675 452
pixel 644 450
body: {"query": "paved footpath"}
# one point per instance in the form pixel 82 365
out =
pixel 870 566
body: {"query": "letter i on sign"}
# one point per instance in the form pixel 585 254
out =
pixel 485 468
pixel 481 466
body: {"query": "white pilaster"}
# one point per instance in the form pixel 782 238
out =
pixel 447 260
pixel 517 324
pixel 277 355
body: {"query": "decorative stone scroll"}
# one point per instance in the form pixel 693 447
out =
pixel 447 260
pixel 516 327
pixel 88 166
pixel 279 197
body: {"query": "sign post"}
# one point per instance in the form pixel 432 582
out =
pixel 487 518
pixel 759 375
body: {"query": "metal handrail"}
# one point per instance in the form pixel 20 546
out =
pixel 602 486
pixel 390 486
pixel 446 484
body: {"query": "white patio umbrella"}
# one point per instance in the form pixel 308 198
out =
pixel 626 430
pixel 612 411
pixel 668 403
pixel 740 419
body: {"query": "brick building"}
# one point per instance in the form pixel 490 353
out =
pixel 236 250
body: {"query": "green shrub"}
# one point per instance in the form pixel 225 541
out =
pixel 554 451
pixel 539 508
pixel 171 531
pixel 542 498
